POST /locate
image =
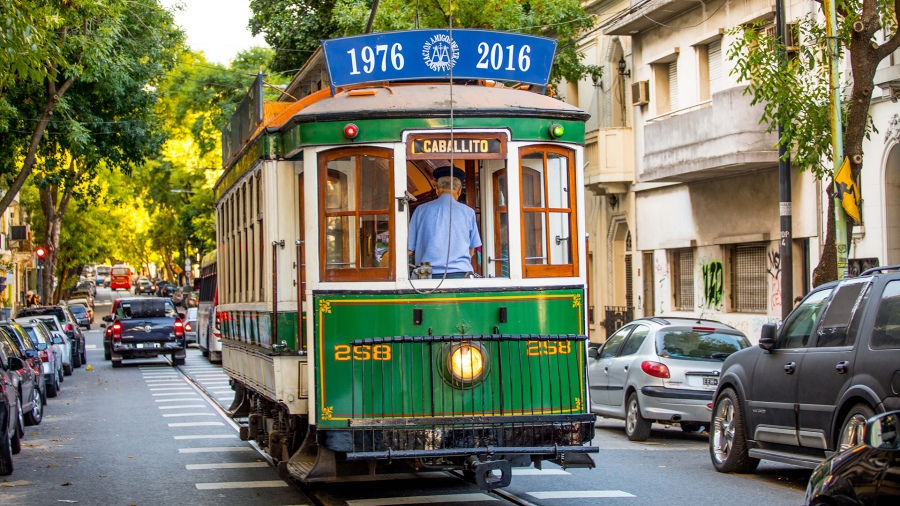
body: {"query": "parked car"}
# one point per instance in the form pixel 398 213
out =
pixel 56 330
pixel 85 304
pixel 165 289
pixel 30 384
pixel 146 328
pixel 81 315
pixel 660 370
pixel 51 362
pixel 865 475
pixel 11 422
pixel 190 325
pixel 83 295
pixel 143 286
pixel 807 390
pixel 69 325
pixel 190 300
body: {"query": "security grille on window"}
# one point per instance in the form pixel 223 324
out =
pixel 748 279
pixel 683 261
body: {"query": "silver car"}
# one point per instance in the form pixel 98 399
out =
pixel 660 370
pixel 56 329
pixel 50 353
pixel 190 325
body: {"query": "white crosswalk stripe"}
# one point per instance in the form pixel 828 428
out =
pixel 240 484
pixel 217 449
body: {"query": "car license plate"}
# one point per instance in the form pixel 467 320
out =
pixel 710 382
pixel 147 345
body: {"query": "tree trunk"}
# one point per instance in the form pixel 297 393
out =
pixel 827 269
pixel 53 215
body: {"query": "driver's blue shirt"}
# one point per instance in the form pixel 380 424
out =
pixel 430 238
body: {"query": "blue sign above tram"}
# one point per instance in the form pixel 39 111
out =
pixel 439 54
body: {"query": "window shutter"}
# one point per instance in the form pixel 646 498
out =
pixel 714 54
pixel 673 86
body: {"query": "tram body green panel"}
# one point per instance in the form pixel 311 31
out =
pixel 255 328
pixel 412 379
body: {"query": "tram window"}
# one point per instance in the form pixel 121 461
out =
pixel 501 225
pixel 357 218
pixel 547 211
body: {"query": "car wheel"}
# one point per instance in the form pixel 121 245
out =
pixel 16 440
pixel 61 373
pixel 89 326
pixel 691 426
pixel 36 415
pixel 637 428
pixel 727 445
pixel 6 462
pixel 53 387
pixel 106 354
pixel 84 357
pixel 116 363
pixel 67 369
pixel 854 427
pixel 76 359
pixel 178 361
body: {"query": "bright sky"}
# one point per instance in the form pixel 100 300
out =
pixel 216 27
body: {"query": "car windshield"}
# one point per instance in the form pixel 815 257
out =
pixel 699 344
pixel 78 310
pixel 37 341
pixel 51 323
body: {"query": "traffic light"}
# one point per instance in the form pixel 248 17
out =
pixel 40 252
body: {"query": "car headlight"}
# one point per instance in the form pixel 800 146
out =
pixel 466 362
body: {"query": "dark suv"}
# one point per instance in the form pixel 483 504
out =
pixel 70 326
pixel 806 391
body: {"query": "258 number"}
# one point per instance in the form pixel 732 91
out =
pixel 538 348
pixel 343 352
pixel 370 57
pixel 496 56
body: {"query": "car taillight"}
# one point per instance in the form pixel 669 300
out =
pixel 179 328
pixel 117 331
pixel 218 321
pixel 187 327
pixel 70 327
pixel 45 357
pixel 655 369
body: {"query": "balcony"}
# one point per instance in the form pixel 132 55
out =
pixel 609 153
pixel 649 15
pixel 721 139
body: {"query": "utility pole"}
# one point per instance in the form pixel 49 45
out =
pixel 837 136
pixel 785 212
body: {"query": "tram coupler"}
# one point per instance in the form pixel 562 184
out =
pixel 482 473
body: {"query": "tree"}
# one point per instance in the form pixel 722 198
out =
pixel 795 92
pixel 296 31
pixel 106 112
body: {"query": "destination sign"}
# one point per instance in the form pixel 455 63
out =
pixel 439 54
pixel 460 146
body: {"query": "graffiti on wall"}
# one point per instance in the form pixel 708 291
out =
pixel 713 284
pixel 774 270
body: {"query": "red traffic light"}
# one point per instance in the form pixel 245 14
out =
pixel 40 252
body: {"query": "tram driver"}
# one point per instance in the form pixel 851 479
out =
pixel 447 244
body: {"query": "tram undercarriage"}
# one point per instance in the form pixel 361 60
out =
pixel 484 450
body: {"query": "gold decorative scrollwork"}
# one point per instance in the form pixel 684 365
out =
pixel 578 405
pixel 576 300
pixel 325 306
pixel 327 412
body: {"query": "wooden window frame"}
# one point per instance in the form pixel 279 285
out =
pixel 550 270
pixel 358 273
pixel 498 229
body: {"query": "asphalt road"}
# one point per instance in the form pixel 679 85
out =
pixel 153 434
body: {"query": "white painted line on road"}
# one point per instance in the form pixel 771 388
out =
pixel 228 465
pixel 217 449
pixel 538 472
pixel 171 415
pixel 159 382
pixel 422 499
pixel 171 393
pixel 90 346
pixel 240 484
pixel 579 494
pixel 209 436
pixel 190 399
pixel 182 406
pixel 194 424
pixel 168 374
pixel 169 389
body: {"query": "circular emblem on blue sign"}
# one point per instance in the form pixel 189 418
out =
pixel 440 52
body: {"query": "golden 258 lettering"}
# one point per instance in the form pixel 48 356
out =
pixel 539 348
pixel 344 352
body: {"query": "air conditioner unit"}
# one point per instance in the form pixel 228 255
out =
pixel 18 233
pixel 640 93
pixel 792 36
pixel 769 31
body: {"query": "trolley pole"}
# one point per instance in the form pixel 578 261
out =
pixel 837 135
pixel 785 244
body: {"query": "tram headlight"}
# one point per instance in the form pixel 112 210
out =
pixel 466 362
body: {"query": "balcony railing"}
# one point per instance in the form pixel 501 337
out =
pixel 609 154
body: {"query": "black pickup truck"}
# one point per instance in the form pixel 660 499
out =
pixel 145 328
pixel 807 390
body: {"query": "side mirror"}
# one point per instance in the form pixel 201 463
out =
pixel 767 336
pixel 594 352
pixel 102 325
pixel 107 318
pixel 883 431
pixel 181 315
pixel 16 364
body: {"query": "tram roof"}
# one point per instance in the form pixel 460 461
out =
pixel 429 100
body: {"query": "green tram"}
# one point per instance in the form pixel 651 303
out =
pixel 345 363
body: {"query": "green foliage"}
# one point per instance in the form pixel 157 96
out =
pixel 793 91
pixel 297 37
